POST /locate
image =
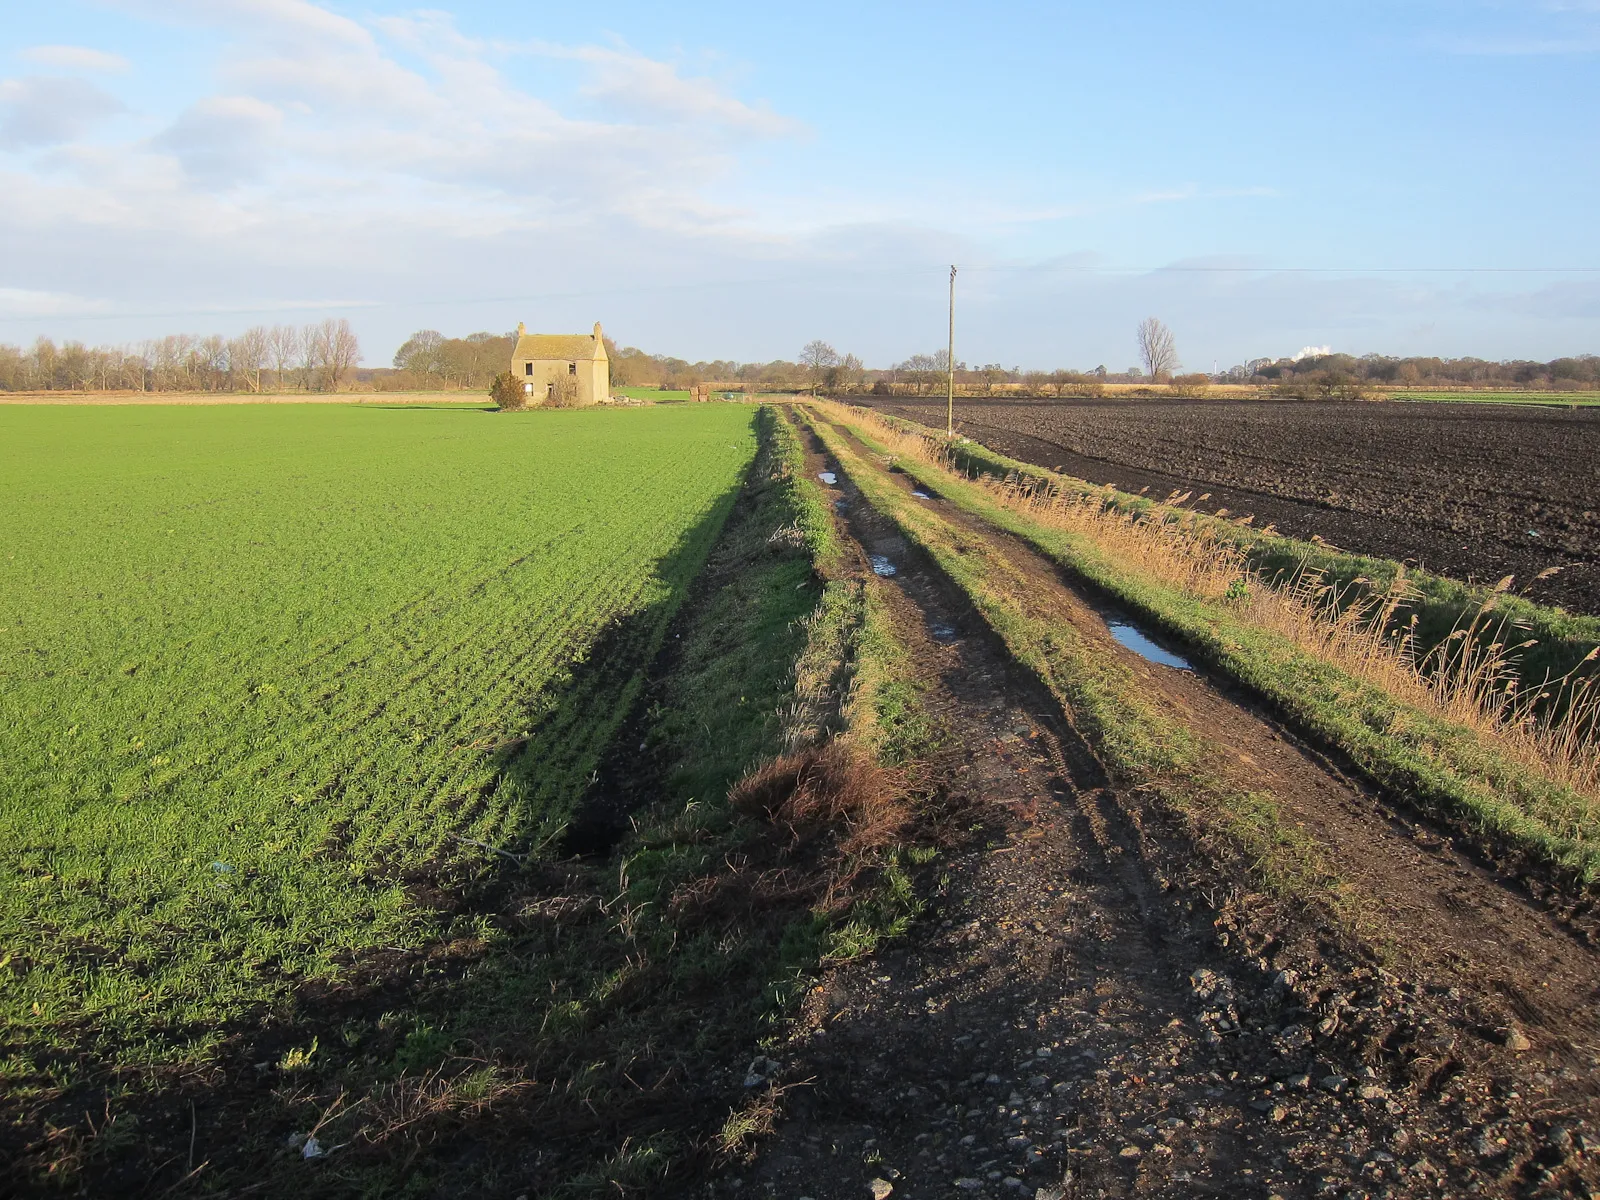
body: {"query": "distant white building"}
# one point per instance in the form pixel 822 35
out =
pixel 1312 352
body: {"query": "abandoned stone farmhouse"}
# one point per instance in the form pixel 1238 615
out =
pixel 562 366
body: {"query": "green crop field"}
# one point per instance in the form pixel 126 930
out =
pixel 265 670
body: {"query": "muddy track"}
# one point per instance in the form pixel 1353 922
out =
pixel 1097 1008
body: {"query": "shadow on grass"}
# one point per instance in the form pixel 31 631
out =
pixel 573 1026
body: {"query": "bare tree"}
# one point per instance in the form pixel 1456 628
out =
pixel 247 353
pixel 170 357
pixel 340 350
pixel 211 362
pixel 313 354
pixel 927 371
pixel 849 374
pixel 817 357
pixel 75 367
pixel 564 392
pixel 421 354
pixel 283 349
pixel 1157 349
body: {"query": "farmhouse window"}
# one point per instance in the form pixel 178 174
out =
pixel 572 368
pixel 527 368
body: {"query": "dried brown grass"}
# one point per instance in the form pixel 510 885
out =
pixel 827 809
pixel 1472 678
pixel 836 787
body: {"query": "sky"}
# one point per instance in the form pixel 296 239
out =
pixel 720 180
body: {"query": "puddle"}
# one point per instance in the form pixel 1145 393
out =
pixel 940 632
pixel 881 565
pixel 828 477
pixel 920 494
pixel 1135 640
pixel 841 504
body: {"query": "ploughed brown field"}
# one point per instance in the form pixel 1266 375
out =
pixel 1460 490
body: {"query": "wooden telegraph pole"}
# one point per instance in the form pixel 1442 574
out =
pixel 950 399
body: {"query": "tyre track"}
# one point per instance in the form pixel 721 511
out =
pixel 1202 1067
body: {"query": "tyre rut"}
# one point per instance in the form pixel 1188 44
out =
pixel 1431 1016
pixel 1449 920
pixel 1072 1016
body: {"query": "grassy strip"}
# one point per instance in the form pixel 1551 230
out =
pixel 1441 605
pixel 600 1012
pixel 1137 740
pixel 1439 766
pixel 719 921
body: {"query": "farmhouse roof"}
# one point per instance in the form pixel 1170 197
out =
pixel 563 346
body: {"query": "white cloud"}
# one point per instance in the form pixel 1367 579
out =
pixel 296 20
pixel 653 91
pixel 44 110
pixel 224 140
pixel 75 58
pixel 21 302
pixel 318 106
pixel 432 179
pixel 391 156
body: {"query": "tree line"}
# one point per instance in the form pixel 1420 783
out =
pixel 1345 374
pixel 316 357
pixel 429 361
pixel 322 357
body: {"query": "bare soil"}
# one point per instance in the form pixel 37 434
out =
pixel 1098 1004
pixel 1462 490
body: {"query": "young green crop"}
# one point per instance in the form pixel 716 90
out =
pixel 262 666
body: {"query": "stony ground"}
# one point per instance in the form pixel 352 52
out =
pixel 1093 1005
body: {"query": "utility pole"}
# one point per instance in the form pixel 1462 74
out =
pixel 950 405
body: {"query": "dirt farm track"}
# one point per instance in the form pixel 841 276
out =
pixel 1462 490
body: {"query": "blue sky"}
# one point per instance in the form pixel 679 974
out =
pixel 721 180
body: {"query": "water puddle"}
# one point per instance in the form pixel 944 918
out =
pixel 920 494
pixel 828 477
pixel 881 565
pixel 1134 639
pixel 940 632
pixel 841 504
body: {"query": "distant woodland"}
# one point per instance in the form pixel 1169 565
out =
pixel 318 357
pixel 324 356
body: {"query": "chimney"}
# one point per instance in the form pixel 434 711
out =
pixel 521 329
